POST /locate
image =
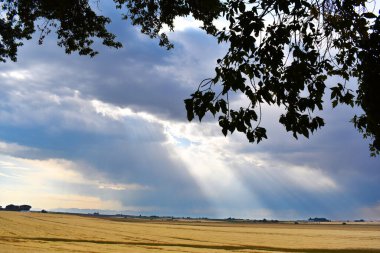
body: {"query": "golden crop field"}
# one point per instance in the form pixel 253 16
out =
pixel 38 232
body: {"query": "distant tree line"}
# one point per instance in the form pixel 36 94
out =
pixel 12 207
pixel 316 219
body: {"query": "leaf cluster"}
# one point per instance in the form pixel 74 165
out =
pixel 282 53
pixel 74 21
pixel 77 23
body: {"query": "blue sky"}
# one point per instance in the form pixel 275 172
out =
pixel 110 132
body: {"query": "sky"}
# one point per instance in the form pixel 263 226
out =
pixel 110 133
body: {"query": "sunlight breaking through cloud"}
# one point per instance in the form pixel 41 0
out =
pixel 110 132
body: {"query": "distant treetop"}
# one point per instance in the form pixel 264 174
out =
pixel 12 207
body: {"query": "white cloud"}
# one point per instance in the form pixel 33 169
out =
pixel 14 149
pixel 182 24
pixel 118 113
pixel 122 187
pixel 16 75
pixel 35 173
pixel 311 179
pixel 45 183
pixel 370 212
pixel 46 200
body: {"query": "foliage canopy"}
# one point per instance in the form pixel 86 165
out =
pixel 281 52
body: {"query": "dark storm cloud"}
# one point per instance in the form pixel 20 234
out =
pixel 142 75
pixel 45 104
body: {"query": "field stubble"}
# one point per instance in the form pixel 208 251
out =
pixel 36 232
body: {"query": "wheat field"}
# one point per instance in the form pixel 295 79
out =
pixel 38 232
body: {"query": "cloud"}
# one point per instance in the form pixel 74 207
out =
pixel 109 149
pixel 111 131
pixel 141 76
pixel 44 200
pixel 35 173
pixel 41 183
pixel 182 24
pixel 122 187
pixel 239 181
pixel 15 149
pixel 370 212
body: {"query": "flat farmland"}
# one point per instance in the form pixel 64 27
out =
pixel 37 232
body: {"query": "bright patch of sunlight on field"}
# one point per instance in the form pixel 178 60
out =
pixel 36 232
